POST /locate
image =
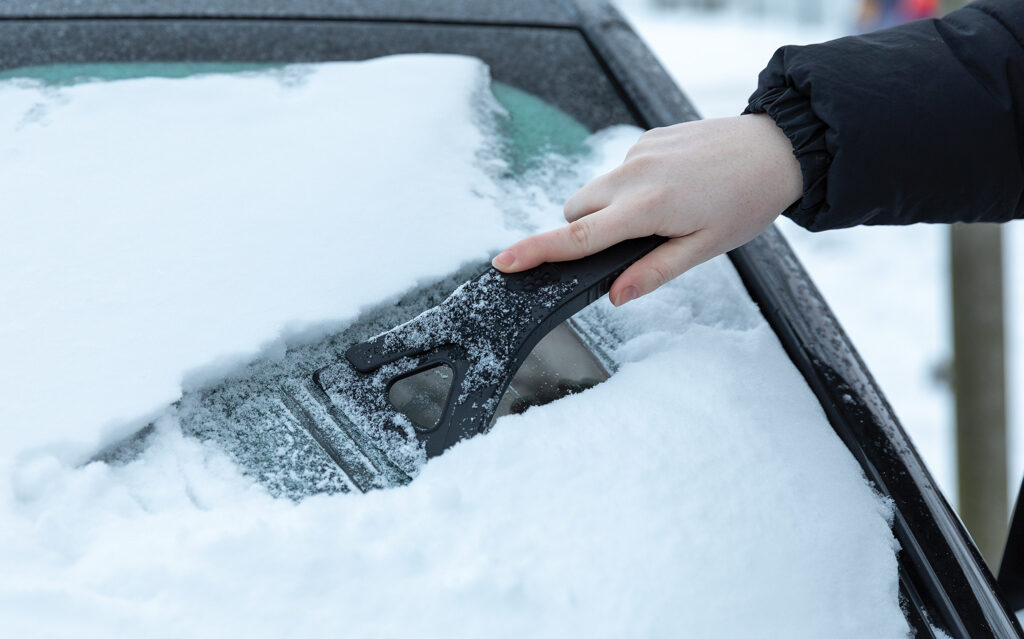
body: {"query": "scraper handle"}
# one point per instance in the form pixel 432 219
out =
pixel 590 278
pixel 502 315
pixel 593 275
pixel 580 283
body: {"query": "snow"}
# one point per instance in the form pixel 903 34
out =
pixel 716 57
pixel 114 244
pixel 159 226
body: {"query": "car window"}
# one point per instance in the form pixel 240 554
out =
pixel 182 252
pixel 535 141
pixel 530 132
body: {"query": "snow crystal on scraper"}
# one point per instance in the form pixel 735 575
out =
pixel 483 318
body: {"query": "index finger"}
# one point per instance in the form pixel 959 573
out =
pixel 583 237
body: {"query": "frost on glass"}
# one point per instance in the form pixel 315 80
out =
pixel 422 396
pixel 560 364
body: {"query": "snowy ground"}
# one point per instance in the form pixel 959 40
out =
pixel 888 286
pixel 154 227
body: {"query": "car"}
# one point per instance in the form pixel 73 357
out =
pixel 582 58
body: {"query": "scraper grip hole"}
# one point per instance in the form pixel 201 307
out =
pixel 422 396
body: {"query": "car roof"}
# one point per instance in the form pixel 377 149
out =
pixel 533 12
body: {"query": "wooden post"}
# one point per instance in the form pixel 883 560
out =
pixel 980 383
pixel 979 372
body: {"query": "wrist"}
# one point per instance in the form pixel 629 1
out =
pixel 784 179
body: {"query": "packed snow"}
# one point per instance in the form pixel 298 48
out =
pixel 156 227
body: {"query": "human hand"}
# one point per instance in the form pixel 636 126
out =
pixel 710 186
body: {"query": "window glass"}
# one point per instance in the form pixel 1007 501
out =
pixel 535 141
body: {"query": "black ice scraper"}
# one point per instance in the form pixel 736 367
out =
pixel 477 338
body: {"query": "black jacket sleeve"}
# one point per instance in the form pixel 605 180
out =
pixel 919 123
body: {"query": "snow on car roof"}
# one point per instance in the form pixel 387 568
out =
pixel 154 225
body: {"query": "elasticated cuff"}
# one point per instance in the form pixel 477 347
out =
pixel 792 113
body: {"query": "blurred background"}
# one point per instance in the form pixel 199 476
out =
pixel 902 293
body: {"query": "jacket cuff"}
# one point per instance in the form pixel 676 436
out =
pixel 792 113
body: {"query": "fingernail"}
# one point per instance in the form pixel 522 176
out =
pixel 503 260
pixel 628 295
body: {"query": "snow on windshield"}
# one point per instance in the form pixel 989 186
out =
pixel 159 226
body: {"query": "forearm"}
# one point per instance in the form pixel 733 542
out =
pixel 920 123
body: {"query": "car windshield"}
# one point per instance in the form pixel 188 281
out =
pixel 185 244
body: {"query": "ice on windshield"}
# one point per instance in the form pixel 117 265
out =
pixel 162 230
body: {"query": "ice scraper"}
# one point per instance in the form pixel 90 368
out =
pixel 475 341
